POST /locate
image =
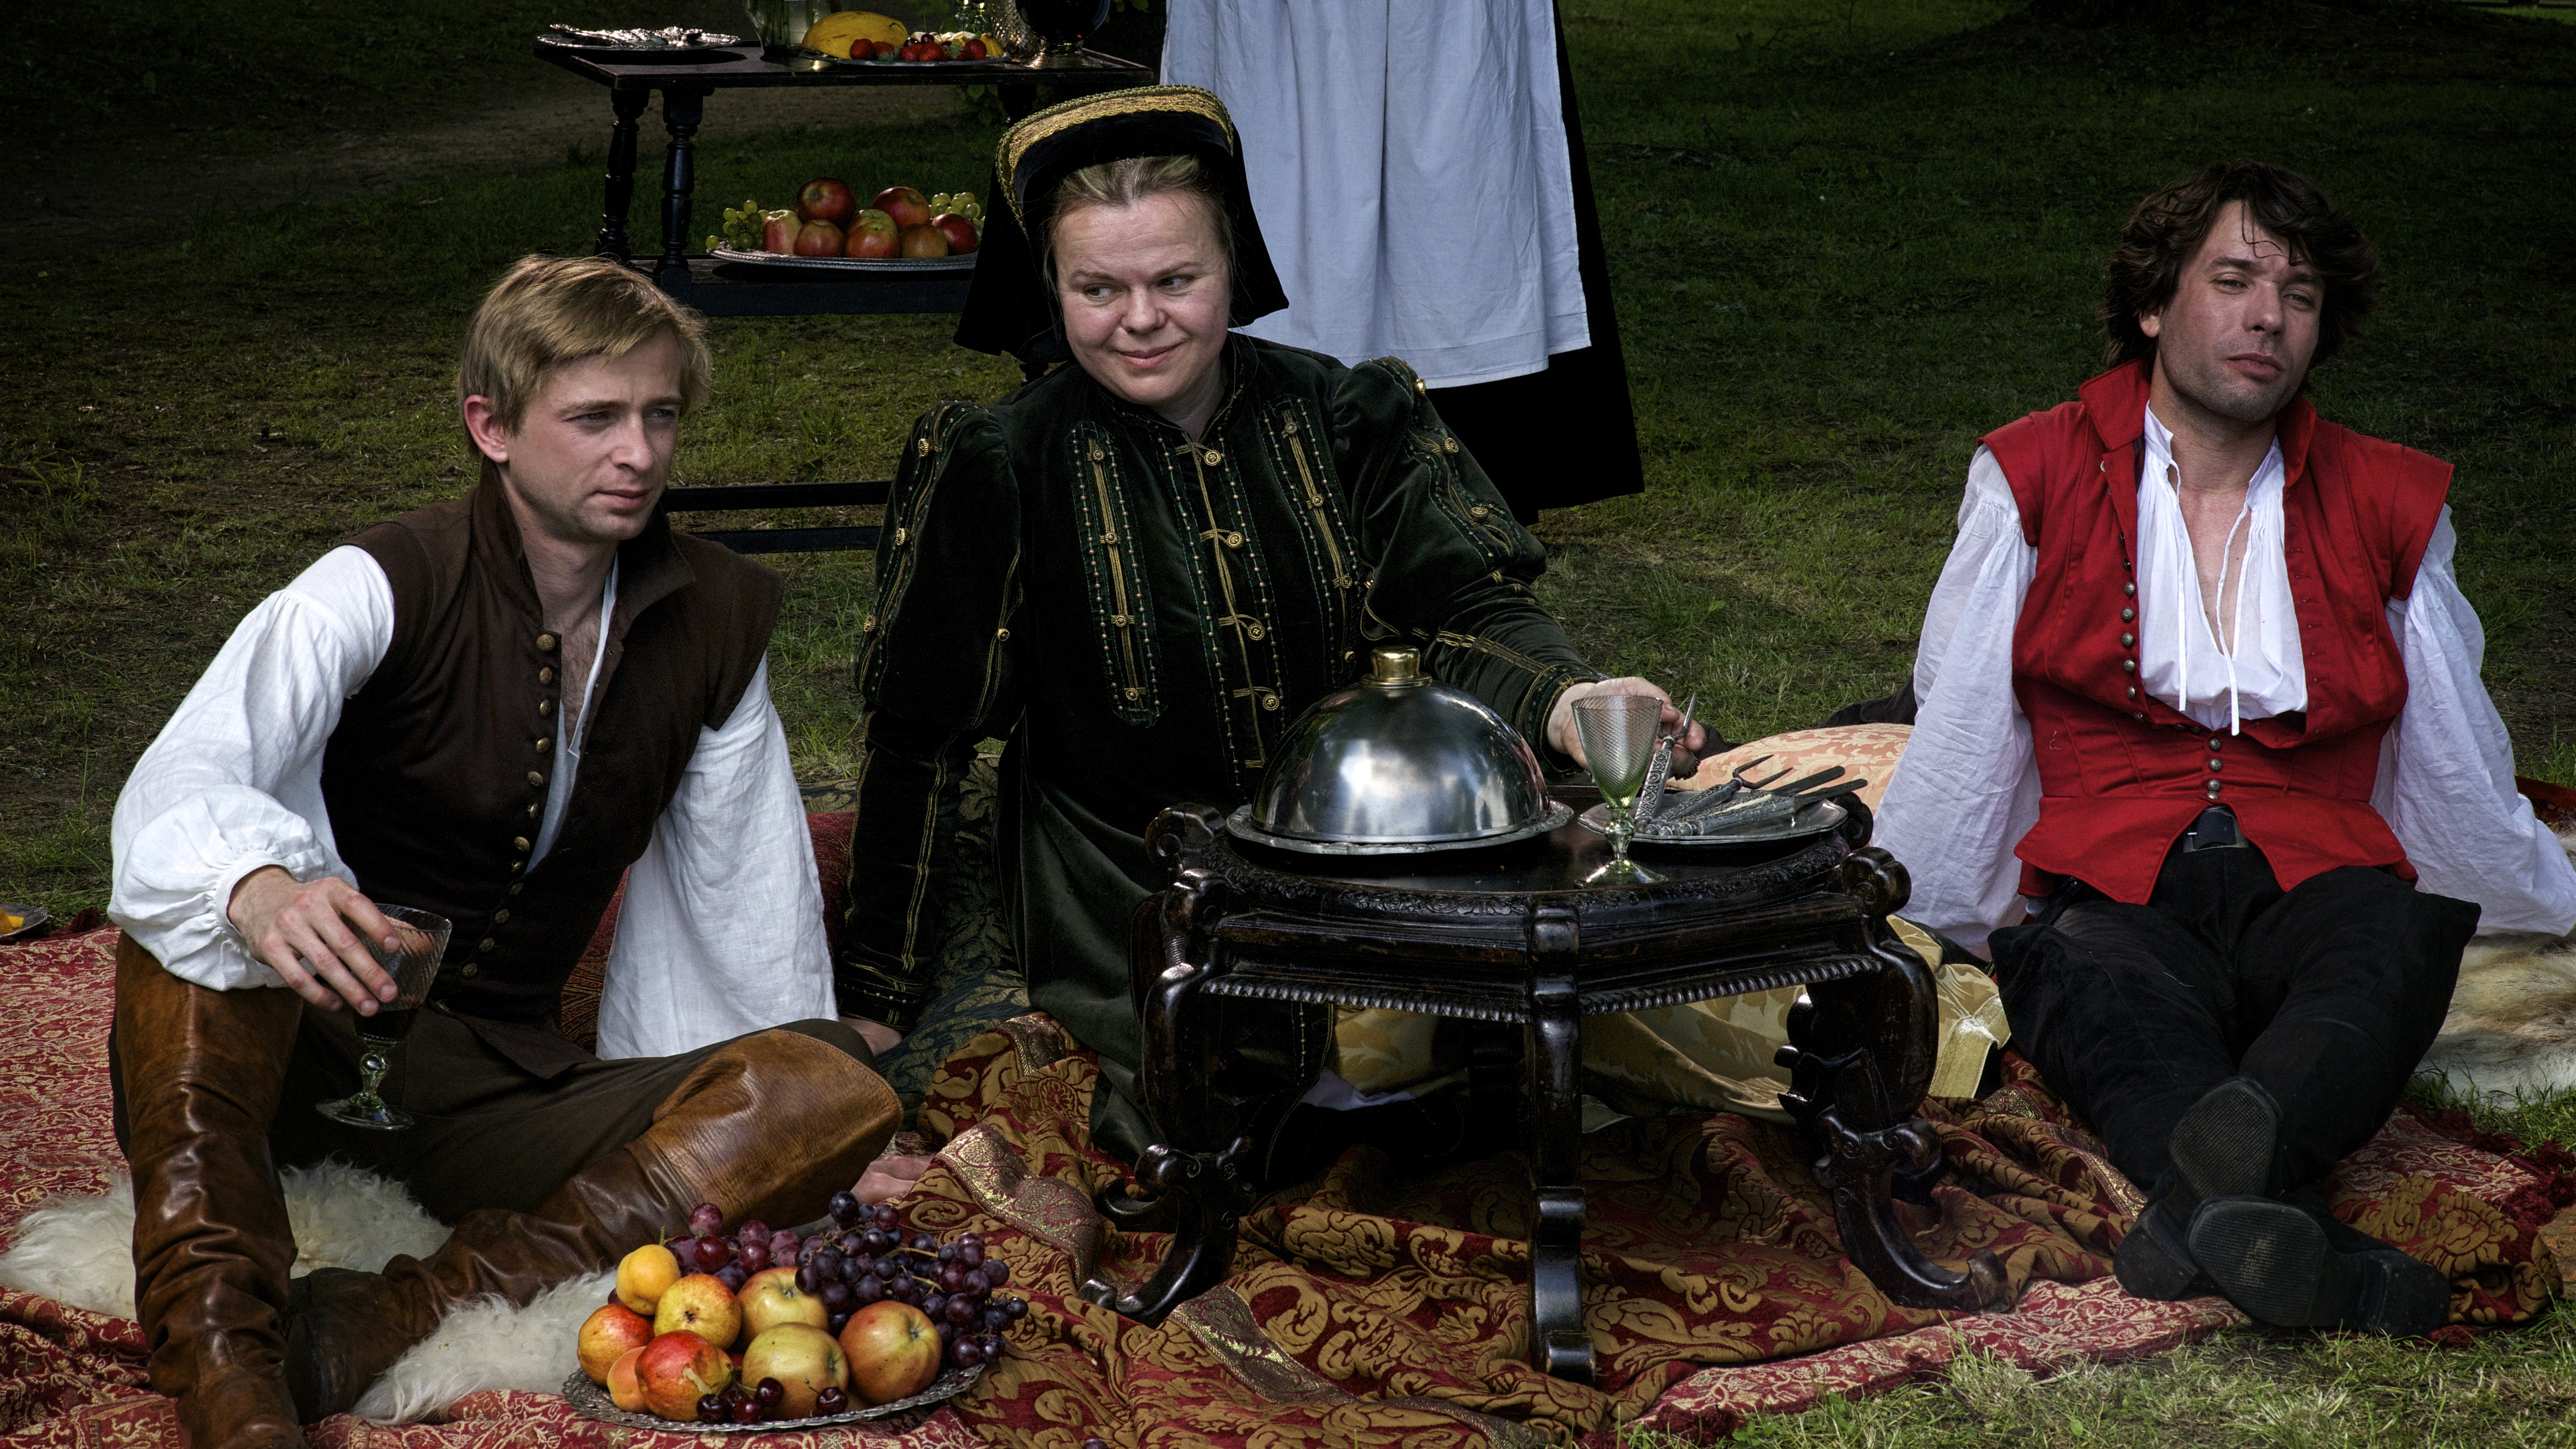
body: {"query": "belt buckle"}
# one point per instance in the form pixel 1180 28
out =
pixel 2224 836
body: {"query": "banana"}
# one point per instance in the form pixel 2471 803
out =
pixel 834 33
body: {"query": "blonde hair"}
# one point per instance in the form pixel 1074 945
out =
pixel 1132 179
pixel 549 311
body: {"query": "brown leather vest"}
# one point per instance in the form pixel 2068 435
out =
pixel 436 777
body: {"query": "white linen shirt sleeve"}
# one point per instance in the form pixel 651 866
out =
pixel 2446 767
pixel 722 929
pixel 1967 788
pixel 234 781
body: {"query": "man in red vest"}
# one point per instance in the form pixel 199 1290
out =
pixel 2257 795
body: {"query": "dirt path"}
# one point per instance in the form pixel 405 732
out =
pixel 67 201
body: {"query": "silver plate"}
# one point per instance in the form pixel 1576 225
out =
pixel 1817 819
pixel 707 43
pixel 592 1402
pixel 1240 825
pixel 28 929
pixel 849 264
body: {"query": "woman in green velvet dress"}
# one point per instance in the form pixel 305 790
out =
pixel 1140 567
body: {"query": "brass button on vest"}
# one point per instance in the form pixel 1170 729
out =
pixel 538 782
pixel 2213 764
pixel 2215 741
pixel 546 643
pixel 545 676
pixel 486 944
pixel 545 706
pixel 514 888
pixel 2127 615
pixel 2127 666
pixel 519 843
pixel 543 743
pixel 2128 641
pixel 501 917
pixel 471 969
pixel 2213 789
pixel 2133 691
pixel 2129 589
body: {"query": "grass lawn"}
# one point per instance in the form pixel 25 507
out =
pixel 1846 240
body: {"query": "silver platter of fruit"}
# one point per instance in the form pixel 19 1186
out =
pixel 847 264
pixel 591 1401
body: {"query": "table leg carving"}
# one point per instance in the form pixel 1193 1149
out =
pixel 1191 1181
pixel 620 181
pixel 1559 1344
pixel 1860 1059
pixel 681 112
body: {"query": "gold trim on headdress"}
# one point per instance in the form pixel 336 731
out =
pixel 1065 115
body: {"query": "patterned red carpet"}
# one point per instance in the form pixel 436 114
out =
pixel 1377 1308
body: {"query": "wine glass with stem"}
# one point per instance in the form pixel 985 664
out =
pixel 1618 732
pixel 423 937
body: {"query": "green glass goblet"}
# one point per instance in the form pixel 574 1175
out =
pixel 424 940
pixel 1618 733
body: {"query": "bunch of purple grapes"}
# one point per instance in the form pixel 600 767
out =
pixel 868 1257
pixel 732 1259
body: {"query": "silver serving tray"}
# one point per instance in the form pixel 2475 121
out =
pixel 1819 818
pixel 707 43
pixel 1240 825
pixel 28 929
pixel 849 264
pixel 592 1402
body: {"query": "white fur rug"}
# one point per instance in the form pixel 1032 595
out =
pixel 80 1250
pixel 2511 1031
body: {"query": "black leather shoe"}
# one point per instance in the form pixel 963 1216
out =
pixel 2227 1145
pixel 2283 1266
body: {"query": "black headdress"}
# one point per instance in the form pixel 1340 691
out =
pixel 1012 306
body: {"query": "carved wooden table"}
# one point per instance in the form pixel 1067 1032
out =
pixel 1512 935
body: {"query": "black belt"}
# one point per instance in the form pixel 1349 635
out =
pixel 2214 830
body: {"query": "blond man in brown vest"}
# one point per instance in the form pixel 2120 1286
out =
pixel 494 709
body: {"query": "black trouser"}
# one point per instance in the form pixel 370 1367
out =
pixel 2327 995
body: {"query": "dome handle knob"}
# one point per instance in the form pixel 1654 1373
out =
pixel 1396 667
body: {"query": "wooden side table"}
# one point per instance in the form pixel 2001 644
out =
pixel 1512 935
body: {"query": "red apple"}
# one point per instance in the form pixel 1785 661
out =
pixel 872 234
pixel 972 50
pixel 908 207
pixel 679 1368
pixel 609 1335
pixel 625 1390
pixel 703 1305
pixel 824 199
pixel 771 1298
pixel 924 241
pixel 778 232
pixel 803 1358
pixel 893 1351
pixel 818 239
pixel 961 233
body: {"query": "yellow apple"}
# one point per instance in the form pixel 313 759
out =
pixel 771 1298
pixel 703 1305
pixel 803 1358
pixel 893 1350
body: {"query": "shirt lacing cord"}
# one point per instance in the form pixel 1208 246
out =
pixel 2187 586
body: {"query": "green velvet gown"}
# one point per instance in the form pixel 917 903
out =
pixel 1141 616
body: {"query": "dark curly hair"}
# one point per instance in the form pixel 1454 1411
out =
pixel 2169 226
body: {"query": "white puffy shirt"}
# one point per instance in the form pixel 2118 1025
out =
pixel 721 932
pixel 1967 788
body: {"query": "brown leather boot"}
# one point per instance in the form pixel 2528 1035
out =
pixel 769 1126
pixel 198 1074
